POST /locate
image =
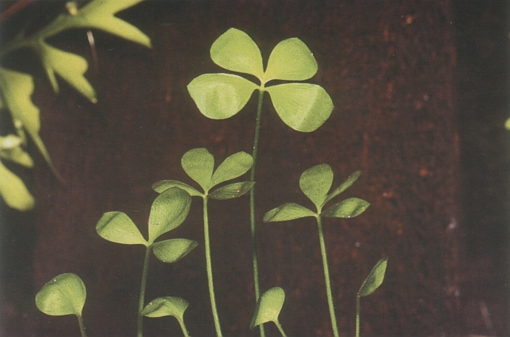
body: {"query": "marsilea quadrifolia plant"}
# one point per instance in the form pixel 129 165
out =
pixel 16 87
pixel 302 106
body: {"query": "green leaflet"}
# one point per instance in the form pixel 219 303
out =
pixel 63 295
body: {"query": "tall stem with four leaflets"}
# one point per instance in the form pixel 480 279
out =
pixel 253 225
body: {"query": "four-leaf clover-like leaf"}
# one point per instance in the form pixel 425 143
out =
pixel 302 106
pixel 315 183
pixel 199 165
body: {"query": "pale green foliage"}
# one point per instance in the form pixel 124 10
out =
pixel 64 295
pixel 374 279
pixel 315 183
pixel 168 212
pixel 168 306
pixel 170 251
pixel 269 306
pixel 302 106
pixel 199 165
pixel 16 88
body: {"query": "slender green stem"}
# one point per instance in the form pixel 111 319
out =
pixel 143 285
pixel 82 327
pixel 326 277
pixel 253 226
pixel 279 326
pixel 209 270
pixel 357 314
pixel 183 328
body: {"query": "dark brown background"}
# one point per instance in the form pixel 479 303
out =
pixel 420 98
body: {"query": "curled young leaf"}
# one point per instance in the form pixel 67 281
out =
pixel 315 183
pixel 163 185
pixel 236 51
pixel 269 306
pixel 220 96
pixel 348 208
pixel 291 60
pixel 374 279
pixel 345 185
pixel 166 306
pixel 168 211
pixel 63 295
pixel 119 228
pixel 170 251
pixel 302 106
pixel 288 211
pixel 231 191
pixel 232 167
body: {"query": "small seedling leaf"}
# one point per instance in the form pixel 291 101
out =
pixel 220 96
pixel 231 191
pixel 13 191
pixel 236 51
pixel 168 211
pixel 119 228
pixel 170 251
pixel 291 60
pixel 302 106
pixel 63 295
pixel 348 208
pixel 288 211
pixel 316 182
pixel 166 306
pixel 199 165
pixel 374 279
pixel 345 185
pixel 268 307
pixel 232 167
pixel 163 185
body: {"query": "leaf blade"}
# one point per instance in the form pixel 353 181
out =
pixel 316 182
pixel 291 60
pixel 302 106
pixel 172 250
pixel 64 295
pixel 199 165
pixel 374 279
pixel 168 211
pixel 163 185
pixel 345 185
pixel 232 167
pixel 220 96
pixel 236 51
pixel 288 211
pixel 268 307
pixel 119 228
pixel 231 191
pixel 348 208
pixel 166 306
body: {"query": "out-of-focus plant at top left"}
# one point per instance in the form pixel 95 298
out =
pixel 16 87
